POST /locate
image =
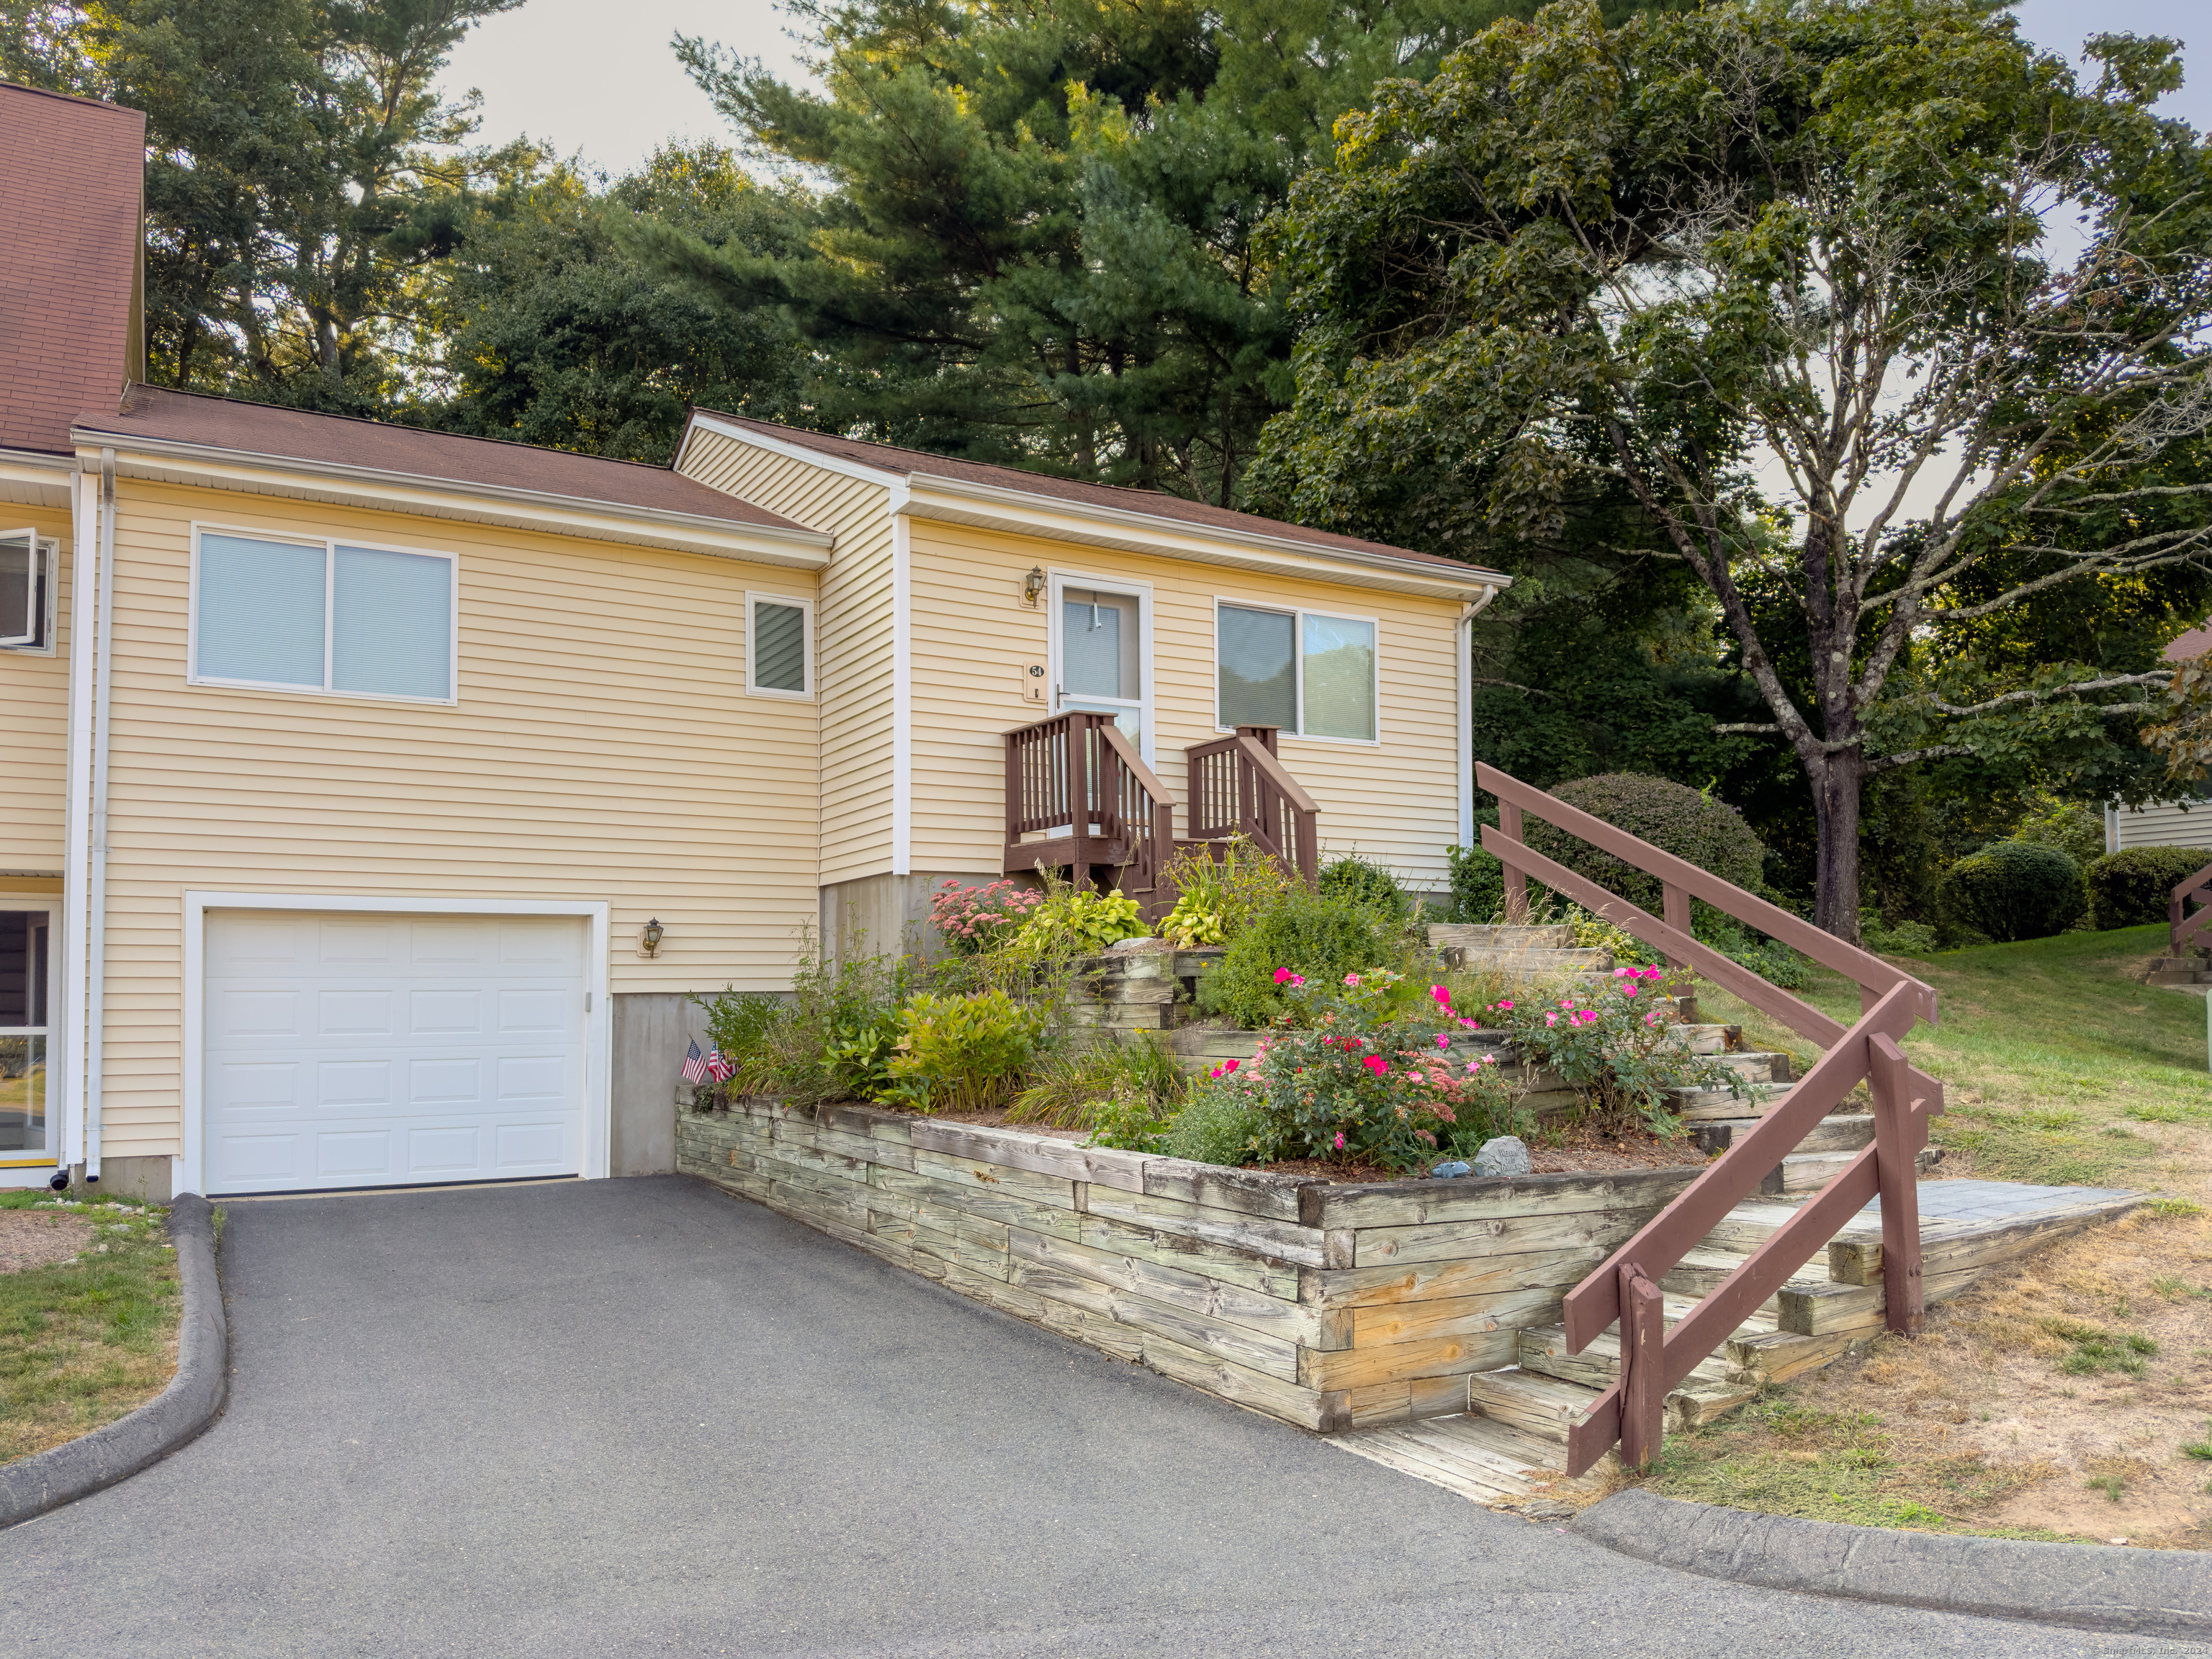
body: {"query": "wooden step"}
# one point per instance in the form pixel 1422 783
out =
pixel 1573 960
pixel 1766 1358
pixel 1807 1172
pixel 1712 1039
pixel 1837 1131
pixel 1530 1401
pixel 1478 936
pixel 1704 1105
pixel 1755 1066
pixel 1478 1457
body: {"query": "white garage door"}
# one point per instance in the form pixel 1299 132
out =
pixel 346 1050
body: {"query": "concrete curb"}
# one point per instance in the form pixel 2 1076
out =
pixel 2165 1593
pixel 179 1412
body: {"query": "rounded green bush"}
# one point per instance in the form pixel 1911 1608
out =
pixel 1693 826
pixel 2129 888
pixel 2013 890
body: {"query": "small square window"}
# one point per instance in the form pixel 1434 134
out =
pixel 27 566
pixel 779 647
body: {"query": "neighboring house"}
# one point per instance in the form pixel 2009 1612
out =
pixel 353 765
pixel 2177 823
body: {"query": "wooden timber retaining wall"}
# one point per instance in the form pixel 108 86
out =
pixel 1330 1305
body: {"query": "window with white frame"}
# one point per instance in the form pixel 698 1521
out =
pixel 1310 673
pixel 27 591
pixel 25 949
pixel 779 646
pixel 322 615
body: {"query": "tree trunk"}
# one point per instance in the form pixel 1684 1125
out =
pixel 1835 788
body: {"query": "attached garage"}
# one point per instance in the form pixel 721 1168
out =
pixel 344 1048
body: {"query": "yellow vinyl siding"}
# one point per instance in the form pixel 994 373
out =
pixel 854 631
pixel 1396 802
pixel 2172 825
pixel 34 715
pixel 602 748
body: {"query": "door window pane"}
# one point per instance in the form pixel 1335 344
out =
pixel 261 611
pixel 1339 671
pixel 1255 667
pixel 23 1094
pixel 391 624
pixel 779 648
pixel 23 941
pixel 1098 644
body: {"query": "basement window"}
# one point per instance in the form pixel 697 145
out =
pixel 331 616
pixel 27 591
pixel 779 647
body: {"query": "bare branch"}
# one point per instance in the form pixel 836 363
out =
pixel 2044 694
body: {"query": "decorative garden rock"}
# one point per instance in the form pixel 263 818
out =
pixel 1505 1155
pixel 1450 1168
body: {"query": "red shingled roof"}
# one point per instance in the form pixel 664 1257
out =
pixel 889 458
pixel 71 177
pixel 256 429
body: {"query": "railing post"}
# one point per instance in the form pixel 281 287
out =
pixel 1643 1367
pixel 1675 911
pixel 1516 884
pixel 1899 1133
pixel 1078 799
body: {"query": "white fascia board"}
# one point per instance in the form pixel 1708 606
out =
pixel 987 506
pixel 162 461
pixel 31 478
pixel 837 464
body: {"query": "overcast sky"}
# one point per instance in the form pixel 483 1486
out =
pixel 556 69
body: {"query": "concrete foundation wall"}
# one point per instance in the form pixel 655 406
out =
pixel 150 1180
pixel 883 915
pixel 651 1029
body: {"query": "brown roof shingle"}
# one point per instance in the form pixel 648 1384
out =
pixel 71 177
pixel 258 429
pixel 889 458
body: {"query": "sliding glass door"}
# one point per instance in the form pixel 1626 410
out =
pixel 27 933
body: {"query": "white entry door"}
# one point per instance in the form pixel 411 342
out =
pixel 1102 653
pixel 371 1050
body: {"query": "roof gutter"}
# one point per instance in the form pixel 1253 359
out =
pixel 171 460
pixel 1029 512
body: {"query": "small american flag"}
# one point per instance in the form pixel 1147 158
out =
pixel 695 1063
pixel 718 1064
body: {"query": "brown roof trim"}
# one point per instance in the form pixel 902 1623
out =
pixel 925 469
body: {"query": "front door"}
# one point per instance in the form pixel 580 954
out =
pixel 1099 653
pixel 26 935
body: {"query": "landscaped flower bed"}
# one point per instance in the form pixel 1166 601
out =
pixel 1326 1305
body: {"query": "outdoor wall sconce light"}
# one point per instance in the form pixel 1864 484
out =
pixel 649 937
pixel 1033 584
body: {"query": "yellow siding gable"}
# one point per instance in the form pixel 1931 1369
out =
pixel 602 748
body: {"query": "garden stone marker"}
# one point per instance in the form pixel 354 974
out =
pixel 1450 1168
pixel 1505 1155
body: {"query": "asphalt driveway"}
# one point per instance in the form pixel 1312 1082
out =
pixel 641 1416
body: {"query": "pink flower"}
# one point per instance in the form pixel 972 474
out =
pixel 1298 979
pixel 1352 979
pixel 1376 1064
pixel 1472 1024
pixel 1282 975
pixel 1628 990
pixel 1442 1040
pixel 1551 1019
pixel 1228 1065
pixel 1650 972
pixel 1340 1140
pixel 1507 1006
pixel 1442 995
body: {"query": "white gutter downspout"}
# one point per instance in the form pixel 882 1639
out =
pixel 902 683
pixel 84 536
pixel 1465 634
pixel 96 891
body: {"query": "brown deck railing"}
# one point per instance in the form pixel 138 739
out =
pixel 2183 925
pixel 1076 781
pixel 1238 786
pixel 1654 1359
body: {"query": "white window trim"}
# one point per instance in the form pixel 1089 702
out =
pixel 1056 580
pixel 1298 615
pixel 753 602
pixel 598 1024
pixel 32 1171
pixel 46 549
pixel 330 545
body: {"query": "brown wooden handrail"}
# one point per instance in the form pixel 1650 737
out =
pixel 1118 741
pixel 1076 780
pixel 1652 1358
pixel 1239 786
pixel 2182 923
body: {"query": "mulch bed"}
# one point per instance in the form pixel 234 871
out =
pixel 1579 1149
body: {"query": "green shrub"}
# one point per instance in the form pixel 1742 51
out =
pixel 1323 936
pixel 1215 1125
pixel 783 1046
pixel 2074 829
pixel 1360 1072
pixel 1907 939
pixel 1608 1042
pixel 1068 1085
pixel 1220 887
pixel 2129 888
pixel 1694 827
pixel 1134 1121
pixel 2012 889
pixel 1369 884
pixel 961 1053
pixel 1477 885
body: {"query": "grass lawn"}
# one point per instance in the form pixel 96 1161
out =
pixel 84 1342
pixel 2068 1396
